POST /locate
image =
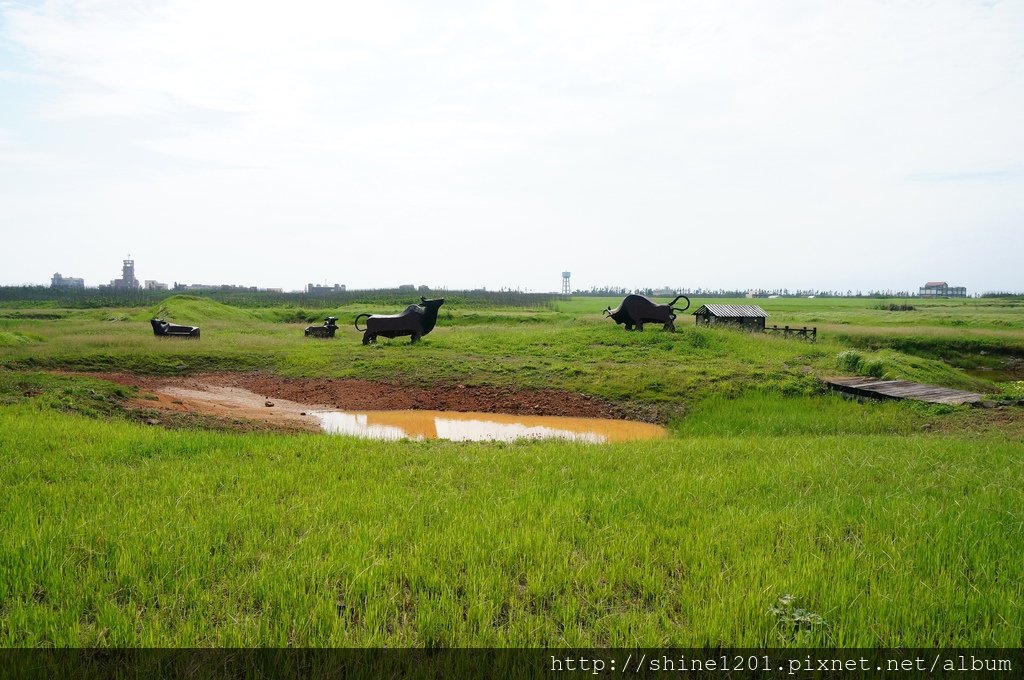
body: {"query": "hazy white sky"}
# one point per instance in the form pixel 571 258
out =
pixel 842 144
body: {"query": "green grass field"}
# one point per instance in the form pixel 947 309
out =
pixel 891 524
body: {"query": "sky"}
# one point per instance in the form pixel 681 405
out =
pixel 832 145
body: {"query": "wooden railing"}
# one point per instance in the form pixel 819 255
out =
pixel 805 332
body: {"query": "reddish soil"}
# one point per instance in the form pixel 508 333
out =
pixel 166 393
pixel 231 408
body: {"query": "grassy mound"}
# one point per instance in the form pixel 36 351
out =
pixel 189 309
pixel 13 339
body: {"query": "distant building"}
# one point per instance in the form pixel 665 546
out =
pixel 407 288
pixel 127 280
pixel 313 289
pixel 941 289
pixel 222 287
pixel 198 286
pixel 154 285
pixel 749 317
pixel 59 281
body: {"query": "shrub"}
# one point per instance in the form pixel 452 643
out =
pixel 850 360
pixel 795 621
pixel 876 369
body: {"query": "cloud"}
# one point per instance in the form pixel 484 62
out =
pixel 968 176
pixel 567 123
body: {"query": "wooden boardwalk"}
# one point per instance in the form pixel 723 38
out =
pixel 901 389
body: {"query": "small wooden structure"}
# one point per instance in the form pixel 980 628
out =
pixel 748 317
pixel 941 289
pixel 901 389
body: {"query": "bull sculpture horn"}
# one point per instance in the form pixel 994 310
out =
pixel 678 309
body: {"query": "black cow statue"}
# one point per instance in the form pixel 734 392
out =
pixel 162 329
pixel 325 331
pixel 636 310
pixel 416 320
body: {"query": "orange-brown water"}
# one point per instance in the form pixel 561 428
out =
pixel 459 426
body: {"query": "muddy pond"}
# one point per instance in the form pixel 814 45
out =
pixel 233 402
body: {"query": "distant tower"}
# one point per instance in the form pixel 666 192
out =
pixel 566 288
pixel 128 272
pixel 127 280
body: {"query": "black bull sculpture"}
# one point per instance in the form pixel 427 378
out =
pixel 636 310
pixel 163 329
pixel 416 320
pixel 325 331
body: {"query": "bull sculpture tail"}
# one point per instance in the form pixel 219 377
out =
pixel 357 322
pixel 677 309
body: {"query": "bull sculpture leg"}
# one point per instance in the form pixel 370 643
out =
pixel 369 337
pixel 415 338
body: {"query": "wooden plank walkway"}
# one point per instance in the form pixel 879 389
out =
pixel 901 389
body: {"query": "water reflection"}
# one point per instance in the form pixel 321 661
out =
pixel 454 426
pixel 358 424
pixel 488 430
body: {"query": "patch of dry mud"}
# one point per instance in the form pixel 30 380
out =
pixel 229 404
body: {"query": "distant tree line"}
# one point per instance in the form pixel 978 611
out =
pixel 88 298
pixel 608 291
pixel 46 296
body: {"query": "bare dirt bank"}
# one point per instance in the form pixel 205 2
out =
pixel 234 396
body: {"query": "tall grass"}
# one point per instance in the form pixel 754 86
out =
pixel 116 535
pixel 766 415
